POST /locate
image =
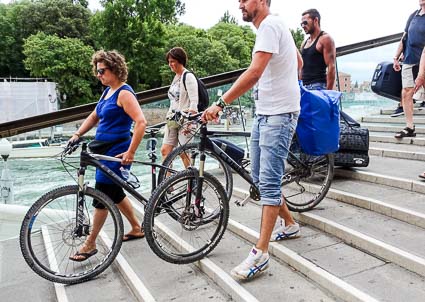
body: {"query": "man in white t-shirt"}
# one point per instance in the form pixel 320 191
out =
pixel 274 73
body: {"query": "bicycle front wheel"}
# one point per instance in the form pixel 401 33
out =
pixel 49 235
pixel 180 229
pixel 190 153
pixel 304 187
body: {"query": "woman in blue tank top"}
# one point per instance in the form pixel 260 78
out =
pixel 116 111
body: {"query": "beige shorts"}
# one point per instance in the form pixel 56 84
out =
pixel 407 79
pixel 176 137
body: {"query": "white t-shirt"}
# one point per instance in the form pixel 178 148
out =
pixel 277 91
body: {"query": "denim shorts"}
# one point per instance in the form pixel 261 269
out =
pixel 271 138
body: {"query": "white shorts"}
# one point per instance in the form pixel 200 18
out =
pixel 176 137
pixel 407 78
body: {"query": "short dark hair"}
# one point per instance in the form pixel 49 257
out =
pixel 178 54
pixel 314 13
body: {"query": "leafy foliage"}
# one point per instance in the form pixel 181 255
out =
pixel 63 60
pixel 298 36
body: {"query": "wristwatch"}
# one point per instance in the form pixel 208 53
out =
pixel 220 103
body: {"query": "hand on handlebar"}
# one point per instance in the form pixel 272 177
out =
pixel 126 158
pixel 211 113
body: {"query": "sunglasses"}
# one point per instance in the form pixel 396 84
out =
pixel 304 23
pixel 101 71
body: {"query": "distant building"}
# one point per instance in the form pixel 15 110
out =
pixel 21 98
pixel 344 80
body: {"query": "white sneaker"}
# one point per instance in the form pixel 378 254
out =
pixel 256 263
pixel 286 232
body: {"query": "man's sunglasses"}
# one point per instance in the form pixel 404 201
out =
pixel 304 23
pixel 101 71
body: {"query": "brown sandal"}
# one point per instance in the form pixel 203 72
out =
pixel 422 175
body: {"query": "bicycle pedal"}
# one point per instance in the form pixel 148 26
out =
pixel 241 203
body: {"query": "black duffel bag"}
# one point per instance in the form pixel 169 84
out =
pixel 353 144
pixel 353 138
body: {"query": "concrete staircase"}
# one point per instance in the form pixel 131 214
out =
pixel 364 242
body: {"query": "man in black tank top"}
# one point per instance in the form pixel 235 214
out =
pixel 318 53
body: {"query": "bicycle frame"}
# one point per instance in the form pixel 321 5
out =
pixel 205 140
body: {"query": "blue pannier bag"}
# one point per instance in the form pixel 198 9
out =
pixel 318 124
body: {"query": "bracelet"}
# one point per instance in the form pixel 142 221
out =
pixel 221 103
pixel 77 134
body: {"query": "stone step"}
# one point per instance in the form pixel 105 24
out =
pixel 410 152
pixel 391 120
pixel 386 138
pixel 230 252
pixel 17 281
pixel 393 240
pixel 391 129
pixel 398 173
pixel 416 111
pixel 334 255
pixel 390 201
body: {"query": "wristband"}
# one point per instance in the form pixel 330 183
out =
pixel 220 103
pixel 77 134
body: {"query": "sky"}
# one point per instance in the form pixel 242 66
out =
pixel 346 21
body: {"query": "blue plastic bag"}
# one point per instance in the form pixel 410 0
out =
pixel 318 124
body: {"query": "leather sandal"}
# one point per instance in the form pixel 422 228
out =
pixel 406 132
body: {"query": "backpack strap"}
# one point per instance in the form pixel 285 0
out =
pixel 184 78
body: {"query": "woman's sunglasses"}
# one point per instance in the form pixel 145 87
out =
pixel 101 71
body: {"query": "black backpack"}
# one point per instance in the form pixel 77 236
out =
pixel 203 98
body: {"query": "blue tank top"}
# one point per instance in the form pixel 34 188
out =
pixel 114 124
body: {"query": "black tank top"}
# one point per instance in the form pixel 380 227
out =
pixel 314 69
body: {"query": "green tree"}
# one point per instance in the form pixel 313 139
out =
pixel 206 55
pixel 228 18
pixel 136 29
pixel 298 36
pixel 21 19
pixel 66 61
pixel 239 41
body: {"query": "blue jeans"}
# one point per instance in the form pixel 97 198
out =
pixel 315 86
pixel 271 138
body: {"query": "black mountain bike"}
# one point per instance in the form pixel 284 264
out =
pixel 202 202
pixel 58 223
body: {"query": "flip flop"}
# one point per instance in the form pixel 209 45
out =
pixel 84 255
pixel 129 237
pixel 422 175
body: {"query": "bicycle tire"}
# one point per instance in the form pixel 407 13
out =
pixel 304 188
pixel 169 237
pixel 224 171
pixel 52 217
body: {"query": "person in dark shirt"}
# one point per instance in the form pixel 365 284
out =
pixel 410 49
pixel 318 53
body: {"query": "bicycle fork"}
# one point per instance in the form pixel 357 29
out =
pixel 81 229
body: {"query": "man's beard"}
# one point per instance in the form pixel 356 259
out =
pixel 249 16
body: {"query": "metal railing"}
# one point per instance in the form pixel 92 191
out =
pixel 146 97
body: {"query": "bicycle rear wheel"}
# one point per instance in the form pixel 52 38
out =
pixel 305 187
pixel 48 235
pixel 178 230
pixel 214 165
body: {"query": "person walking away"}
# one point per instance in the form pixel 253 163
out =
pixel 116 111
pixel 420 84
pixel 183 97
pixel 274 73
pixel 414 42
pixel 318 53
